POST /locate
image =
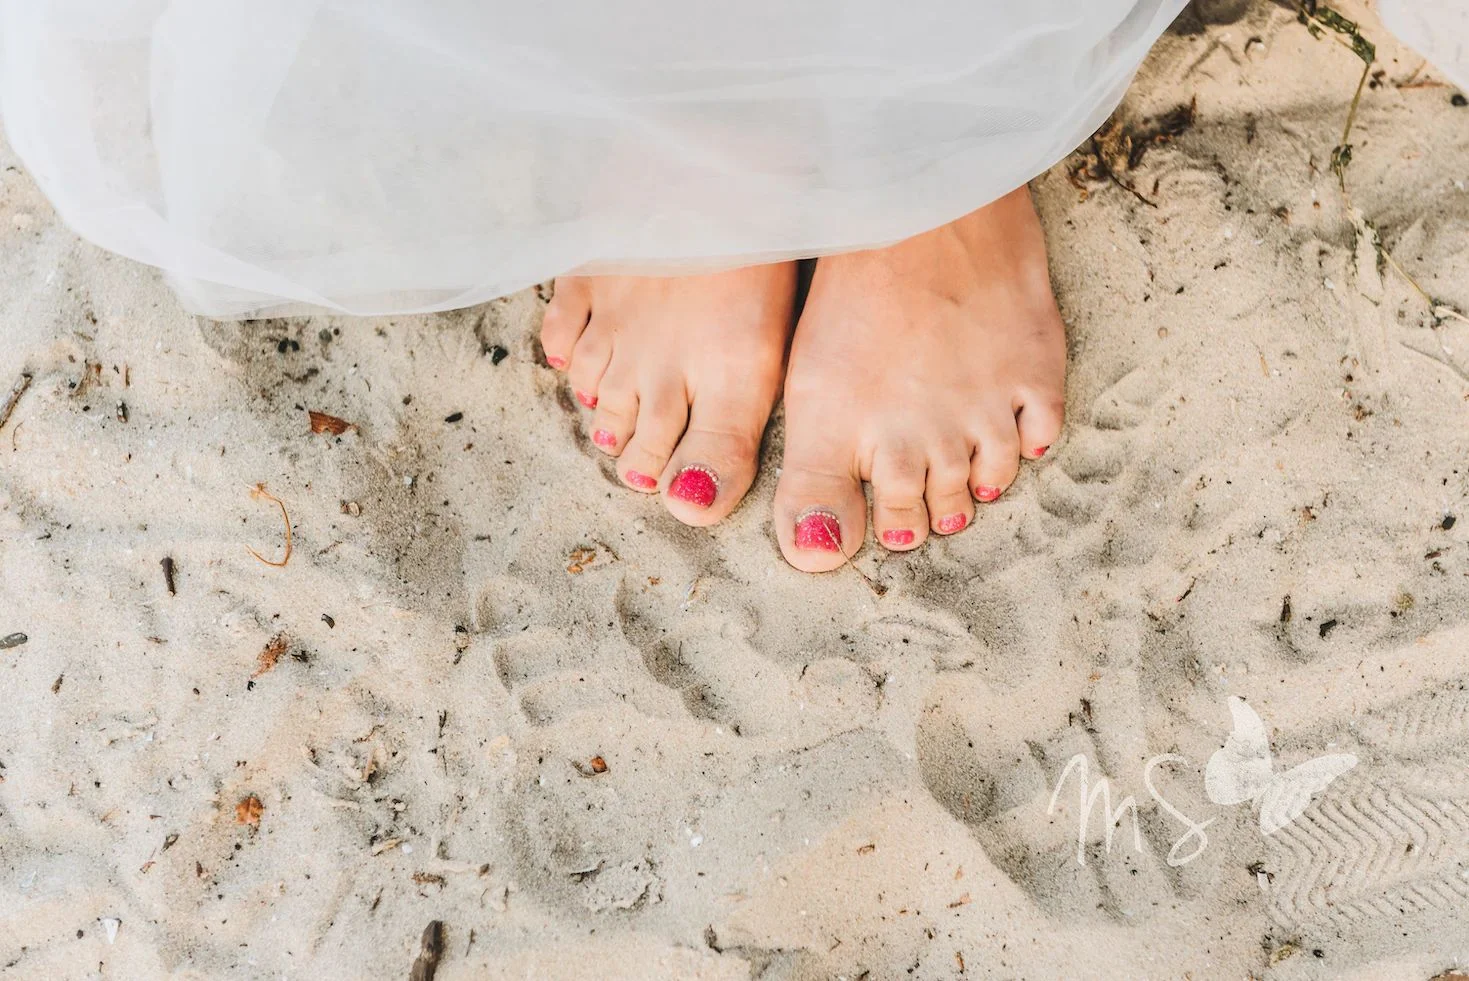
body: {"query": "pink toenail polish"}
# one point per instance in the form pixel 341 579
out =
pixel 897 537
pixel 590 401
pixel 1040 451
pixel 986 493
pixel 555 362
pixel 953 523
pixel 819 530
pixel 640 480
pixel 604 437
pixel 697 485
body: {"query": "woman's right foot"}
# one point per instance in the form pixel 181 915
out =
pixel 928 369
pixel 681 374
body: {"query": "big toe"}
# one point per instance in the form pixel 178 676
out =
pixel 715 462
pixel 820 516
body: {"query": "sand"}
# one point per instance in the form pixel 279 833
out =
pixel 492 689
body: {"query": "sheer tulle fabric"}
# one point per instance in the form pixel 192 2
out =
pixel 1437 29
pixel 378 156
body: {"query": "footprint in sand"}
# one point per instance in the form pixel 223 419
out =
pixel 1391 848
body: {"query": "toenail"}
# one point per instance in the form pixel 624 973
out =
pixel 1040 451
pixel 605 437
pixel 640 480
pixel 697 485
pixel 819 530
pixel 555 362
pixel 898 536
pixel 986 493
pixel 590 401
pixel 953 523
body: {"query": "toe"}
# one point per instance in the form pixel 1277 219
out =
pixel 899 516
pixel 1038 416
pixel 589 360
pixel 662 415
pixel 715 462
pixel 820 518
pixel 998 458
pixel 950 508
pixel 820 513
pixel 616 413
pixel 566 317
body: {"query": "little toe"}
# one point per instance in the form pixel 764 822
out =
pixel 996 461
pixel 565 319
pixel 662 415
pixel 715 462
pixel 589 363
pixel 899 516
pixel 950 508
pixel 820 517
pixel 1039 419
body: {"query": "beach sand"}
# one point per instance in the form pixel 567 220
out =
pixel 493 690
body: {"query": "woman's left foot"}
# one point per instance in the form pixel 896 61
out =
pixel 928 369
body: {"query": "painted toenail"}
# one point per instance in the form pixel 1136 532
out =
pixel 819 530
pixel 697 485
pixel 555 362
pixel 1040 451
pixel 640 480
pixel 986 493
pixel 605 437
pixel 590 401
pixel 897 536
pixel 953 523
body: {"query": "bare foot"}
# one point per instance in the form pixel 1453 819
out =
pixel 680 374
pixel 927 369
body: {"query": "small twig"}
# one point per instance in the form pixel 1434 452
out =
pixel 1436 309
pixel 1332 24
pixel 168 568
pixel 833 528
pixel 1408 82
pixel 257 494
pixel 1322 21
pixel 1342 155
pixel 16 391
pixel 1130 189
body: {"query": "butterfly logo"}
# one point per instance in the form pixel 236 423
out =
pixel 1243 771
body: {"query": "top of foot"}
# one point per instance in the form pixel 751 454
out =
pixel 928 369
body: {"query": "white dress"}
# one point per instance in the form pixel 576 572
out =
pixel 377 156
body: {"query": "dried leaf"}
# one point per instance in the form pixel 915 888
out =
pixel 274 648
pixel 323 423
pixel 579 560
pixel 248 810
